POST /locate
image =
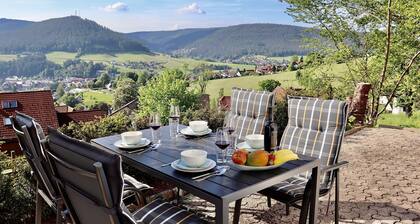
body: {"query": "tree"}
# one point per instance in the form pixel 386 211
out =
pixel 70 99
pixel 377 40
pixel 125 92
pixel 158 92
pixel 221 92
pixel 60 90
pixel 269 84
pixel 102 80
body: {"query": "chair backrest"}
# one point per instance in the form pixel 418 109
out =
pixel 249 111
pixel 316 128
pixel 30 134
pixel 90 179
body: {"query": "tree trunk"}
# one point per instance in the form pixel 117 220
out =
pixel 384 69
pixel 359 102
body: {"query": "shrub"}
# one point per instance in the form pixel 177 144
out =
pixel 214 117
pixel 17 197
pixel 269 84
pixel 280 117
pixel 99 128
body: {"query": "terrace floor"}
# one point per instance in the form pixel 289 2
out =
pixel 380 185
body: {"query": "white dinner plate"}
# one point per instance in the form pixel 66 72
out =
pixel 253 168
pixel 244 145
pixel 208 165
pixel 189 132
pixel 145 142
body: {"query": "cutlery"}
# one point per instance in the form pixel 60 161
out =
pixel 216 173
pixel 139 150
pixel 166 164
pixel 218 168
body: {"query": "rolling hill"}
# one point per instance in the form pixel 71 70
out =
pixel 72 34
pixel 228 42
pixel 12 24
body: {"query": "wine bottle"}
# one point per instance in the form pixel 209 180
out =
pixel 267 136
pixel 274 136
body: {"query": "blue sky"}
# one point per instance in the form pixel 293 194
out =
pixel 141 15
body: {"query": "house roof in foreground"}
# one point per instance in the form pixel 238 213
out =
pixel 37 104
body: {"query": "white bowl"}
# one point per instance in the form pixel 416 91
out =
pixel 255 141
pixel 193 157
pixel 198 126
pixel 131 137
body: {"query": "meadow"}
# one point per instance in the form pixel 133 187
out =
pixel 400 120
pixel 91 97
pixel 167 61
pixel 287 79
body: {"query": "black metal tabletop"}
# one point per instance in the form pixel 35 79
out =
pixel 219 190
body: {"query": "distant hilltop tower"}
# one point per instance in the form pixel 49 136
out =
pixel 76 13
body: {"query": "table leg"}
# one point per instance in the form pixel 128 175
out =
pixel 237 211
pixel 222 212
pixel 315 196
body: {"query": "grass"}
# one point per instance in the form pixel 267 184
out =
pixel 92 97
pixel 167 61
pixel 59 57
pixel 401 120
pixel 287 79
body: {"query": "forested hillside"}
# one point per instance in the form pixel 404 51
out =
pixel 228 42
pixel 12 24
pixel 71 33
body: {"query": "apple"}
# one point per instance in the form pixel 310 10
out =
pixel 240 156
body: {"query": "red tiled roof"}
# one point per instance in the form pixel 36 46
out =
pixel 63 109
pixel 80 116
pixel 37 104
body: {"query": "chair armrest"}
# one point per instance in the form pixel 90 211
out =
pixel 132 184
pixel 334 167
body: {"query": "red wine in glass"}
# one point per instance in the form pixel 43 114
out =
pixel 222 144
pixel 154 126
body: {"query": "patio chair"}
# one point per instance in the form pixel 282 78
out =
pixel 91 182
pixel 29 134
pixel 315 128
pixel 249 111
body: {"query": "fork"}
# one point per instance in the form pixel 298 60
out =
pixel 216 173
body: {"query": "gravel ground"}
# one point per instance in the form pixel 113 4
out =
pixel 380 185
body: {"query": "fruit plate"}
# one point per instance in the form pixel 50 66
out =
pixel 253 168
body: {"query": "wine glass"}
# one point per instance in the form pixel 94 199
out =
pixel 154 124
pixel 232 138
pixel 222 141
pixel 174 115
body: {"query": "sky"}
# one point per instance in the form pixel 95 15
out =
pixel 152 15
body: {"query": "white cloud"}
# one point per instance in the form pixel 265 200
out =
pixel 176 26
pixel 193 8
pixel 116 7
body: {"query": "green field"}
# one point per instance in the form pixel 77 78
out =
pixel 168 61
pixel 287 79
pixel 401 120
pixel 92 97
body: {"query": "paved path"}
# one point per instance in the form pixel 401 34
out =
pixel 380 185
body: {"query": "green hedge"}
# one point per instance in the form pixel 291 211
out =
pixel 17 197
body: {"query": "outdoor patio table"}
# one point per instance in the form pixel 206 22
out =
pixel 219 190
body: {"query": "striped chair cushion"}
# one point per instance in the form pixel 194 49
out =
pixel 249 111
pixel 160 212
pixel 315 128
